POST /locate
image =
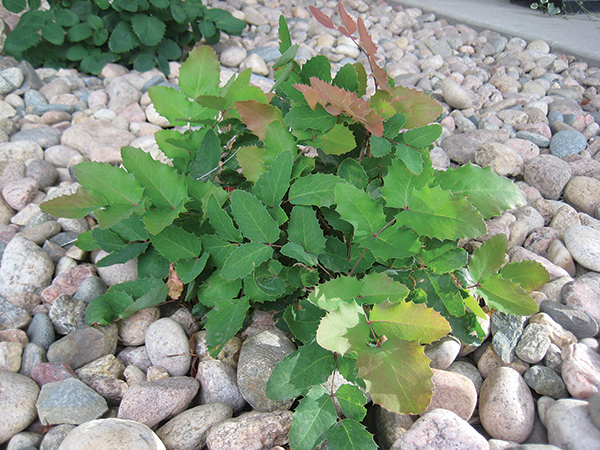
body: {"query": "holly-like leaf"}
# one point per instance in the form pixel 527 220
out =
pixel 275 182
pixel 487 259
pixel 277 140
pixel 418 107
pixel 74 206
pixel 408 321
pixel 392 126
pixel 437 213
pixel 108 240
pixel 488 192
pixel 149 29
pixel 252 217
pixel 292 377
pixel 162 184
pixel 207 159
pixel 358 208
pixel 175 106
pixel 528 274
pixel 123 254
pixel 257 116
pixel 175 243
pixel 221 222
pixel 154 297
pixel 393 243
pixel 318 66
pixel 349 434
pixel 252 161
pixel 397 375
pixel 106 308
pixel 131 229
pixel 333 333
pixel 506 296
pixel 442 256
pixel 442 294
pixel 218 248
pixel 410 157
pixel 302 117
pixel 401 182
pixel 352 401
pixel 422 136
pixel 189 269
pixel 349 23
pixel 295 251
pixel 152 264
pixel 215 288
pixel 378 287
pixel 336 141
pixel 316 189
pixel 244 259
pixel 322 18
pixel 157 219
pixel 380 146
pixel 304 229
pixel 303 320
pixel 330 294
pixel 224 321
pixel 347 78
pixel 200 73
pixel 113 183
pixel 314 415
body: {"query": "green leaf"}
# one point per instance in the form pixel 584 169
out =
pixel 346 78
pixel 224 321
pixel 392 126
pixel 423 136
pixel 295 251
pixel 378 287
pixel 160 4
pixel 74 206
pixel 303 320
pixel 418 107
pixel 488 192
pixel 64 17
pixel 207 158
pixel 358 208
pixel 107 239
pixel 380 146
pixel 218 248
pixel 253 219
pixel 154 297
pixel 168 50
pixel 53 33
pixel 336 141
pixel 352 401
pixel 15 6
pixel 106 308
pixel 302 117
pixel 408 321
pixel 328 295
pixel 487 259
pixel 95 62
pixel 113 183
pixel 275 182
pixel 162 184
pixel 397 375
pixel 80 32
pixel 252 161
pixel 149 29
pixel 244 259
pixel 215 288
pixel 442 256
pixel 95 22
pixel 131 229
pixel 304 229
pixel 317 66
pixel 286 57
pixel 113 214
pixel 189 269
pixel 393 243
pixel 175 243
pixel 506 296
pixel 442 294
pixel 401 182
pixel 152 264
pixel 122 39
pixel 221 222
pixel 77 53
pixel 277 140
pixel 348 434
pixel 316 189
pixel 437 213
pixel 124 254
pixel 85 241
pixel 156 220
pixel 528 274
pixel 333 330
pixel 314 415
pixel 177 12
pixel 351 171
pixel 297 372
pixel 21 39
pixel 412 158
pixel 285 41
pixel 174 105
pixel 200 73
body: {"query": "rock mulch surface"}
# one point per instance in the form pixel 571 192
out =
pixel 530 114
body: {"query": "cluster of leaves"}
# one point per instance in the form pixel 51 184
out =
pixel 321 203
pixel 546 6
pixel 88 34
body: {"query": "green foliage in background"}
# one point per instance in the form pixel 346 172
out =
pixel 137 33
pixel 321 203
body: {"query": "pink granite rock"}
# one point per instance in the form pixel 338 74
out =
pixel 581 370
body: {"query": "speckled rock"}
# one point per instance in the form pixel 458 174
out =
pixel 578 322
pixel 132 331
pixel 570 426
pixel 584 244
pixel 218 384
pixel 506 407
pixel 18 395
pixel 581 370
pixel 84 345
pixel 548 174
pixel 453 392
pixel 567 142
pixel 582 193
pixel 533 344
pixel 168 346
pixel 112 434
pixel 545 381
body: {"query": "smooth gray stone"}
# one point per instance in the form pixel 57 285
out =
pixel 577 322
pixel 41 331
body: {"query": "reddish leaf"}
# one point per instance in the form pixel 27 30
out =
pixel 322 18
pixel 310 95
pixel 174 283
pixel 257 116
pixel 365 40
pixel 349 23
pixel 379 74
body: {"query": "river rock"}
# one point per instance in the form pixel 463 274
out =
pixel 259 355
pixel 502 159
pixel 453 392
pixel 69 401
pixel 251 430
pixel 18 395
pixel 581 370
pixel 188 430
pixel 506 407
pixel 132 331
pixel 461 148
pixel 167 346
pixel 584 244
pixel 95 137
pixel 567 142
pixel 548 174
pixel 41 331
pixel 84 345
pixel 570 426
pixel 441 430
pixel 533 344
pixel 151 402
pixel 455 95
pixel 574 320
pixel 218 384
pixel 112 434
pixel 443 352
pixel 54 437
pixel 582 193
